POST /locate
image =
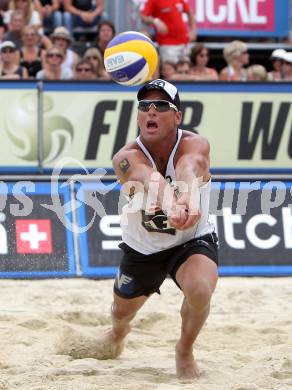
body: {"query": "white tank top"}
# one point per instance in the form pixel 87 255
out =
pixel 150 233
pixel 231 73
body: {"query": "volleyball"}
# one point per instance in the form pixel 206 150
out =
pixel 130 58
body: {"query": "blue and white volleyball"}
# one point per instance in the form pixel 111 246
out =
pixel 130 58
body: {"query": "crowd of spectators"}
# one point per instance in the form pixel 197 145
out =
pixel 37 37
pixel 37 42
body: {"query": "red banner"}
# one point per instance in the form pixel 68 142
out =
pixel 235 14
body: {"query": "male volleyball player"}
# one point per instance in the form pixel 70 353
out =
pixel 167 231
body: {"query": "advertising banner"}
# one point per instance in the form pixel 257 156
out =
pixel 34 239
pixel 242 17
pixel 248 125
pixel 99 228
pixel 18 126
pixel 254 225
pixel 253 221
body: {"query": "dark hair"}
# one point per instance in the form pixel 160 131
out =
pixel 183 61
pixel 106 23
pixel 171 63
pixel 196 50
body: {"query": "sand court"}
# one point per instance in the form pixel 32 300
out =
pixel 50 329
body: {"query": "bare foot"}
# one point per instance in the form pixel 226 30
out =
pixel 115 336
pixel 186 367
pixel 82 345
pixel 110 345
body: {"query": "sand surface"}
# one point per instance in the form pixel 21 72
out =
pixel 246 343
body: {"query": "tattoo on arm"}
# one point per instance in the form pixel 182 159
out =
pixel 124 165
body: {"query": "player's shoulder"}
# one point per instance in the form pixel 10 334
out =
pixel 190 139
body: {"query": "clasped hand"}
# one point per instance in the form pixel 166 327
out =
pixel 184 213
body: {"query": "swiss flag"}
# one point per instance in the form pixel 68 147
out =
pixel 33 236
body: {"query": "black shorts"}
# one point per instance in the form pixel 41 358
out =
pixel 141 274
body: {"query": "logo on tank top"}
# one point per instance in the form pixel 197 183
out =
pixel 157 222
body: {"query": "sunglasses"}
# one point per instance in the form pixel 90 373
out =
pixel 51 55
pixel 159 105
pixel 84 70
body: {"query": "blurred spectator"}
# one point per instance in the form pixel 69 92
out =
pixel 31 54
pixel 276 58
pixel 199 58
pixel 82 13
pixel 236 55
pixel 2 28
pixel 62 39
pixel 168 70
pixel 257 73
pixel 50 13
pixel 9 68
pixel 171 30
pixel 53 66
pixel 84 70
pixel 31 16
pixel 4 5
pixel 183 67
pixel 15 28
pixel 94 56
pixel 105 33
pixel 182 71
pixel 287 66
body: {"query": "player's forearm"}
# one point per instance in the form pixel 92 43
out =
pixel 159 192
pixel 189 187
pixel 192 169
pixel 190 177
pixel 152 184
pixel 137 176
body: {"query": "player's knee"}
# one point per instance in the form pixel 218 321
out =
pixel 120 312
pixel 198 294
